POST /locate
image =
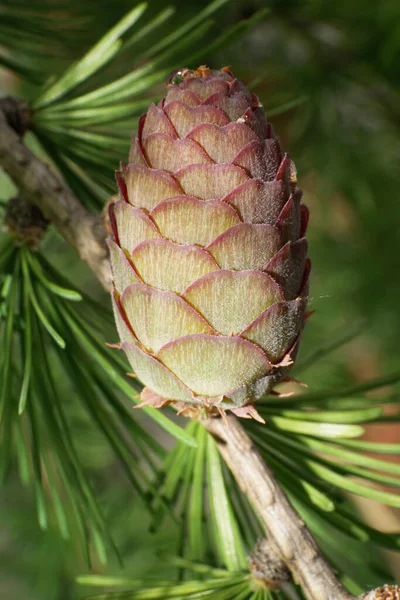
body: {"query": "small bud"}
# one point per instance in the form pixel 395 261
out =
pixel 25 221
pixel 17 114
pixel 266 566
pixel 386 592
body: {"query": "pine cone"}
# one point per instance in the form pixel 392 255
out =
pixel 209 255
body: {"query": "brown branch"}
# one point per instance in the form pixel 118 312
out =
pixel 289 534
pixel 38 183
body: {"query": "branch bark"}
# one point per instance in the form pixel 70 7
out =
pixel 41 186
pixel 289 534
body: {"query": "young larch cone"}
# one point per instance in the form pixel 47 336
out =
pixel 209 258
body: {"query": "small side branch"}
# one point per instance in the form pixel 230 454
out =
pixel 38 183
pixel 289 534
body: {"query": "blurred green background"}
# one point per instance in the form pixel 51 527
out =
pixel 327 73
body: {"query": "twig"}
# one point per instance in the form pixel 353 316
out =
pixel 38 183
pixel 289 534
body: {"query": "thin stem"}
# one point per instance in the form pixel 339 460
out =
pixel 289 534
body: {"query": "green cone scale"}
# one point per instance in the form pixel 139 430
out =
pixel 209 258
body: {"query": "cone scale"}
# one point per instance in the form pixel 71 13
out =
pixel 209 258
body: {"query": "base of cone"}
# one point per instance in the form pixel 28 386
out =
pixel 197 412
